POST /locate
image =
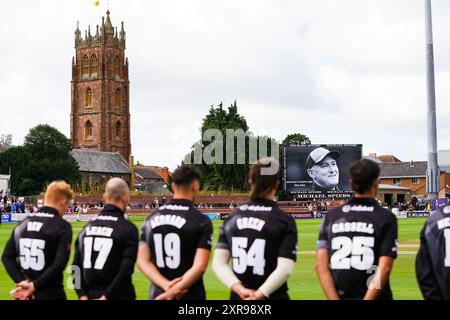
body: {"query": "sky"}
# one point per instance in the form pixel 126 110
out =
pixel 341 72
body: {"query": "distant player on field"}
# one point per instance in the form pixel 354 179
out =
pixel 38 251
pixel 433 258
pixel 358 242
pixel 261 241
pixel 106 250
pixel 176 242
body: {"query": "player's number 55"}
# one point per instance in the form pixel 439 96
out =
pixel 32 254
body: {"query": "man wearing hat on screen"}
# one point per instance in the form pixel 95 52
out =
pixel 322 167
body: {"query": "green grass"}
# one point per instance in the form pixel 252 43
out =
pixel 303 284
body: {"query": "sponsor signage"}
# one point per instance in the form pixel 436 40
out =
pixel 418 214
pixel 6 217
pixel 213 216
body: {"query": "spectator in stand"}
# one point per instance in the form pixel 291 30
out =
pixel 163 201
pixel 156 202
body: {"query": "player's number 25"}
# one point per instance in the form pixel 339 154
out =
pixel 354 253
pixel 32 254
pixel 254 257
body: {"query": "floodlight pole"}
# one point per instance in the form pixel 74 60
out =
pixel 433 173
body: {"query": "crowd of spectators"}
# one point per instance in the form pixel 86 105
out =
pixel 10 204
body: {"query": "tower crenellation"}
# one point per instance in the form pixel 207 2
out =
pixel 106 34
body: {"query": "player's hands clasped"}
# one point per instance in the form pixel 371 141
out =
pixel 24 291
pixel 247 294
pixel 172 291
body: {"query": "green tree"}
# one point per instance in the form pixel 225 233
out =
pixel 296 138
pixel 224 177
pixel 16 161
pixel 44 157
pixel 44 141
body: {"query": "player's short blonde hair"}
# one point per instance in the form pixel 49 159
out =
pixel 116 189
pixel 57 191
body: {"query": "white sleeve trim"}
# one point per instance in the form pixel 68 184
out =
pixel 278 277
pixel 222 269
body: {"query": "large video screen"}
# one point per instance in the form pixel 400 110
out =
pixel 319 171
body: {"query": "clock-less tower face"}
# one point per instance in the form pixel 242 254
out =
pixel 100 113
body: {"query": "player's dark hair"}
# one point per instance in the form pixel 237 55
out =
pixel 262 184
pixel 183 176
pixel 363 174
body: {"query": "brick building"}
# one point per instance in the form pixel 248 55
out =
pixel 100 106
pixel 411 175
pixel 97 168
pixel 162 172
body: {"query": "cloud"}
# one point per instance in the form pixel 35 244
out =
pixel 344 71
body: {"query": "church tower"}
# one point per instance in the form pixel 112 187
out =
pixel 100 113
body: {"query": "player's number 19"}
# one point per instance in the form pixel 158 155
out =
pixel 167 250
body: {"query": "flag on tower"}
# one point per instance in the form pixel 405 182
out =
pixel 96 3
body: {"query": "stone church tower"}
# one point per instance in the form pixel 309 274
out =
pixel 100 114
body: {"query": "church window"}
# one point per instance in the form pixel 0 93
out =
pixel 94 64
pixel 118 98
pixel 88 130
pixel 85 66
pixel 117 66
pixel 118 130
pixel 88 98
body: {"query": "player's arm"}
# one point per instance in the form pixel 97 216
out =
pixel 199 266
pixel 287 256
pixel 424 271
pixel 59 262
pixel 224 273
pixel 127 263
pixel 277 278
pixel 380 279
pixel 323 262
pixel 222 269
pixel 10 261
pixel 388 252
pixel 77 266
pixel 324 274
pixel 145 262
pixel 149 268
